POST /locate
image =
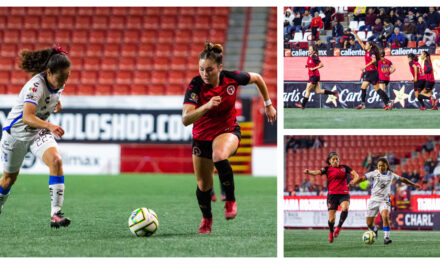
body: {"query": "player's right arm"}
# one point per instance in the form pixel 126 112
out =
pixel 190 114
pixel 30 119
pixel 357 179
pixel 392 69
pixel 359 41
pixel 414 66
pixel 406 181
pixel 312 172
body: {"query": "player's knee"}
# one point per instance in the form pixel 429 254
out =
pixel 219 155
pixel 204 185
pixel 56 162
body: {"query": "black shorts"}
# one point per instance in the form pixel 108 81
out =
pixel 429 85
pixel 202 148
pixel 419 85
pixel 371 77
pixel 385 82
pixel 314 79
pixel 334 200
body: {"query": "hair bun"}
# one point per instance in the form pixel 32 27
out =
pixel 217 48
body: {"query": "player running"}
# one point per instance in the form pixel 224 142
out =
pixel 338 195
pixel 380 201
pixel 419 80
pixel 313 64
pixel 430 81
pixel 385 68
pixel 27 128
pixel 370 73
pixel 209 104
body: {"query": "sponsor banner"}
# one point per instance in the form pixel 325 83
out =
pixel 347 67
pixel 358 52
pixel 425 203
pixel 401 93
pixel 416 220
pixel 319 203
pixel 355 219
pixel 78 159
pixel 119 125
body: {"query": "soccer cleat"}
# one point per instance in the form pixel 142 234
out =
pixel 230 209
pixel 336 94
pixel 361 106
pixel 330 237
pixel 223 197
pixel 375 230
pixel 299 105
pixel 337 230
pixel 387 240
pixel 422 108
pixel 213 197
pixel 435 105
pixel 205 226
pixel 58 220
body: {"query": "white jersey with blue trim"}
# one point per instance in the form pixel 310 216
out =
pixel 38 92
pixel 381 189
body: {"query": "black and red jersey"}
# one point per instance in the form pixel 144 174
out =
pixel 420 74
pixel 337 178
pixel 222 118
pixel 384 67
pixel 429 72
pixel 369 56
pixel 312 62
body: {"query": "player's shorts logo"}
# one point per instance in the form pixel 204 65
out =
pixel 230 89
pixel 196 151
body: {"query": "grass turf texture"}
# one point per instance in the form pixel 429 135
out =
pixel 314 243
pixel 99 207
pixel 365 118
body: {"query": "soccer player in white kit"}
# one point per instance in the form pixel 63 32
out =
pixel 380 195
pixel 27 128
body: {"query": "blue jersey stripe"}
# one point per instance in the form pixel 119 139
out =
pixel 30 102
pixel 13 122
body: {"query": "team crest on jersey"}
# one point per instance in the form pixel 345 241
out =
pixel 343 170
pixel 194 97
pixel 196 151
pixel 33 89
pixel 230 89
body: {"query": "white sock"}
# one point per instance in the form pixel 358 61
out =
pixel 56 197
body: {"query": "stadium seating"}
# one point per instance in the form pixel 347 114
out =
pixel 104 41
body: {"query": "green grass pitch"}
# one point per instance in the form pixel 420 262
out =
pixel 296 118
pixel 314 243
pixel 99 207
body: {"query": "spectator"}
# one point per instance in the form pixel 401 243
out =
pixel 316 24
pixel 397 35
pixel 317 9
pixel 317 143
pixel 405 174
pixel 429 146
pixel 383 15
pixel 288 24
pixel 432 18
pixel 398 24
pixel 346 37
pixel 414 177
pixel 320 45
pixel 328 12
pixel 437 40
pixel 396 44
pixel 369 162
pixel 387 31
pixel 429 168
pixel 429 37
pixel 412 17
pixel 301 10
pixel 390 157
pixel 377 29
pixel 393 18
pixel 306 21
pixel 409 29
pixel 420 28
pixel 436 171
pixel 369 20
pixel 351 44
pixel 337 32
pixel 359 13
pixel 430 184
pixel 292 143
pixel 297 18
pixel 398 16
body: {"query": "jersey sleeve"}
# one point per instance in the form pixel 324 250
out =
pixel 411 64
pixel 242 78
pixel 395 176
pixel 33 92
pixel 348 169
pixel 428 69
pixel 369 175
pixel 192 94
pixel 324 170
pixel 316 59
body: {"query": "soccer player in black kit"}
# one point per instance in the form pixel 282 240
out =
pixel 338 195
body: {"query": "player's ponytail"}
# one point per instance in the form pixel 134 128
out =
pixel 330 155
pixel 376 50
pixel 212 51
pixel 428 58
pixel 38 61
pixel 413 57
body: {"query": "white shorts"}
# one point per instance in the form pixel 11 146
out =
pixel 13 150
pixel 375 206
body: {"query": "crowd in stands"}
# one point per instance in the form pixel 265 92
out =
pixel 295 143
pixel 390 26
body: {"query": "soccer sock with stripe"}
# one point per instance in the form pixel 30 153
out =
pixel 226 176
pixel 386 230
pixel 383 96
pixel 4 194
pixel 331 225
pixel 328 92
pixel 364 95
pixel 304 102
pixel 420 98
pixel 204 199
pixel 56 188
pixel 342 218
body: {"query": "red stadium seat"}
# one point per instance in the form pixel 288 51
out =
pixel 161 63
pixel 11 36
pixel 70 89
pixel 94 50
pixel 134 22
pixel 8 50
pixel 3 89
pixel 117 22
pixel 204 11
pixel 71 11
pixel 32 22
pixel 34 11
pixel 14 88
pixel 19 77
pixel 218 35
pixel 174 90
pixel 15 22
pixel 168 22
pixel 146 50
pixel 28 36
pixel 149 36
pixel 63 36
pixel 221 11
pixel 142 77
pixel 158 77
pixel 89 77
pixel 220 22
pixel 164 50
pixel 151 22
pixel 109 64
pixel 139 89
pixel 156 89
pixel 137 11
pixel 99 22
pixel 111 50
pixel 74 78
pixel 185 22
pixel 97 36
pixel 119 11
pixel 153 11
pixel 52 11
pixel 103 11
pixel 177 78
pixel 179 63
pixel 76 63
pixel 144 63
pixel 121 89
pixel 5 77
pixel 83 22
pixel 165 36
pixel 7 64
pixel 132 36
pixel 46 37
pixel 180 50
pixel 190 11
pixel 17 11
pixel 106 77
pixel 183 37
pixel 92 63
pixel 88 89
pixel 66 22
pixel 129 50
pixel 124 77
pixel 103 90
pixel 80 36
pixel 86 11
pixel 127 63
pixel 114 36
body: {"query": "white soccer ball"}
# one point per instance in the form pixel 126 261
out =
pixel 369 237
pixel 143 222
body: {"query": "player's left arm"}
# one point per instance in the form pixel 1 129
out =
pixel 392 68
pixel 356 179
pixel 270 110
pixel 406 181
